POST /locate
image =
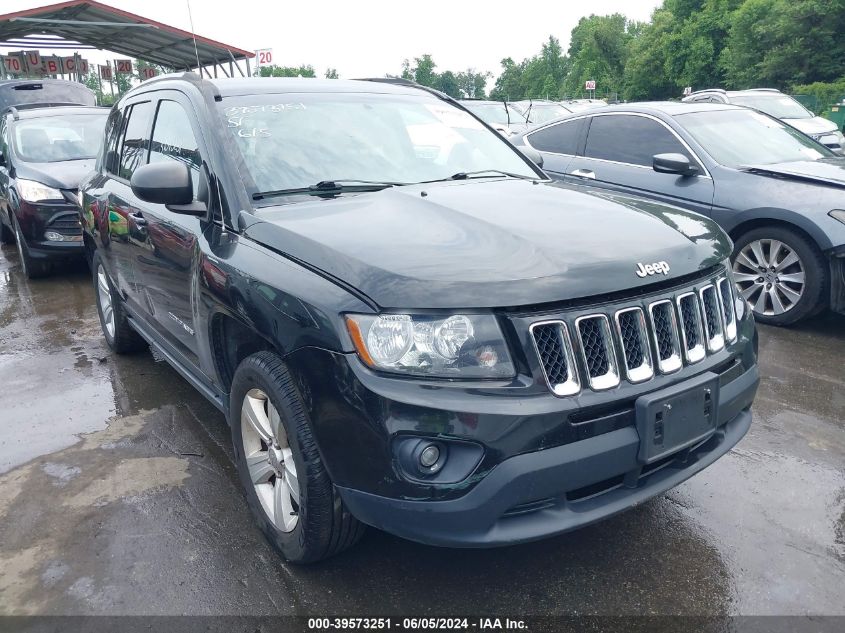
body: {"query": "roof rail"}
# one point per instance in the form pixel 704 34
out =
pixel 187 75
pixel 399 81
pixel 763 90
pixel 719 90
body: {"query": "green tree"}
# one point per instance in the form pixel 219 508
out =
pixel 447 82
pixel 646 74
pixel 598 50
pixel 777 43
pixel 331 73
pixel 509 84
pixel 273 70
pixel 472 84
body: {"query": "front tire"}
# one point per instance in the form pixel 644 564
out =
pixel 32 268
pixel 119 334
pixel 286 483
pixel 781 274
pixel 7 235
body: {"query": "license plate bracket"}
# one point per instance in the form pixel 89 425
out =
pixel 677 417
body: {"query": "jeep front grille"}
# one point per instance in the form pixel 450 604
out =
pixel 714 329
pixel 554 348
pixel 636 352
pixel 727 302
pixel 597 350
pixel 692 336
pixel 654 337
pixel 665 327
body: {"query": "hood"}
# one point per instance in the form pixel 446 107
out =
pixel 59 175
pixel 482 244
pixel 827 171
pixel 815 125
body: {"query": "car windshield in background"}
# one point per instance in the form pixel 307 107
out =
pixel 737 138
pixel 59 138
pixel 291 141
pixel 495 113
pixel 544 113
pixel 779 106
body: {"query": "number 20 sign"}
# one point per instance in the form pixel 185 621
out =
pixel 264 56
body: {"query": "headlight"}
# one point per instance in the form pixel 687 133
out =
pixel 454 346
pixel 838 214
pixel 32 191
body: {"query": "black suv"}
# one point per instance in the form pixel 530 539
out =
pixel 44 153
pixel 406 323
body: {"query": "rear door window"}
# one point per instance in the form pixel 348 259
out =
pixel 630 139
pixel 136 139
pixel 562 138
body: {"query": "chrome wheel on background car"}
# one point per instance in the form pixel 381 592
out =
pixel 104 299
pixel 270 460
pixel 770 275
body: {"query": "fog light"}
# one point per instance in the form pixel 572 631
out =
pixel 429 456
pixel 54 237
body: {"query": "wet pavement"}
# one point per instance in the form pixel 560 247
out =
pixel 118 496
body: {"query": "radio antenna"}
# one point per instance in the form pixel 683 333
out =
pixel 193 36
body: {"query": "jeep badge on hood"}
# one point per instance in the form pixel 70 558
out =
pixel 644 270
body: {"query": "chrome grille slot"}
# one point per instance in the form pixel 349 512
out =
pixel 665 331
pixel 636 352
pixel 692 334
pixel 554 349
pixel 713 324
pixel 726 300
pixel 597 351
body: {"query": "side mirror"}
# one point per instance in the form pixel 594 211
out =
pixel 673 164
pixel 167 183
pixel 532 154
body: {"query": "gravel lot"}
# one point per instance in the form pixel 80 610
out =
pixel 118 496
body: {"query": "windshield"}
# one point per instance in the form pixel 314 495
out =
pixel 778 105
pixel 59 138
pixel 291 141
pixel 737 138
pixel 495 113
pixel 544 113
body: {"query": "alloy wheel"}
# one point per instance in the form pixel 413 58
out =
pixel 105 301
pixel 770 275
pixel 269 460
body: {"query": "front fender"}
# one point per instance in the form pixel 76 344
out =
pixel 827 232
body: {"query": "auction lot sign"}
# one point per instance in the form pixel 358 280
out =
pixel 33 63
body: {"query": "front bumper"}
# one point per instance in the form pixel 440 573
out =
pixel 543 493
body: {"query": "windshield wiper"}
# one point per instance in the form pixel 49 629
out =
pixel 330 187
pixel 463 175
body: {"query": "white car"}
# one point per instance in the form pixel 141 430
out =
pixel 775 103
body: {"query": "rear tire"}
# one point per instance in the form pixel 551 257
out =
pixel 32 268
pixel 119 334
pixel 781 273
pixel 295 504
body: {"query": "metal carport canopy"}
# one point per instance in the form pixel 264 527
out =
pixel 100 26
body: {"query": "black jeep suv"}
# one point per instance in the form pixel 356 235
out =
pixel 406 323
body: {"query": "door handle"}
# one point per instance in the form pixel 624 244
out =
pixel 584 173
pixel 138 219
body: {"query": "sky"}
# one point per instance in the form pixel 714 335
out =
pixel 371 37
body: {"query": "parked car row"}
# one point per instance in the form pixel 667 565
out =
pixel 778 193
pixel 509 118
